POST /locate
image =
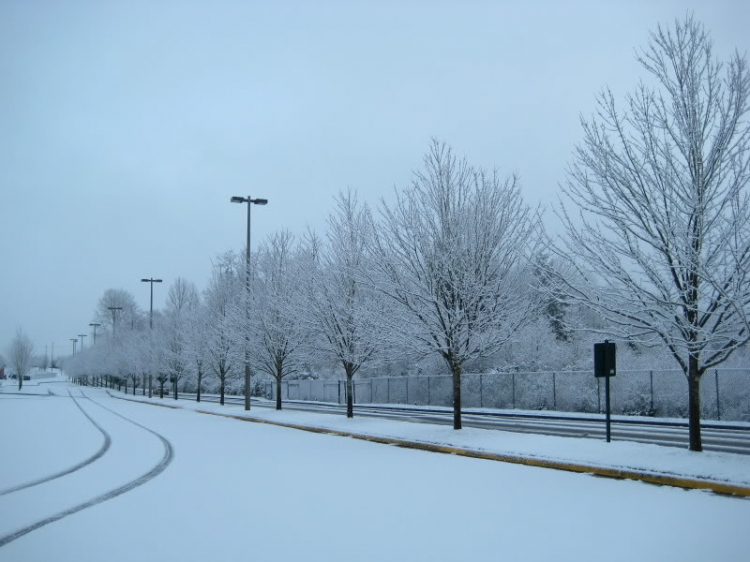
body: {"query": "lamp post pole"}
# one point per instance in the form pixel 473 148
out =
pixel 81 336
pixel 114 310
pixel 74 345
pixel 151 313
pixel 95 325
pixel 151 327
pixel 250 202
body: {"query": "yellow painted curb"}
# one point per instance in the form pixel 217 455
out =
pixel 621 474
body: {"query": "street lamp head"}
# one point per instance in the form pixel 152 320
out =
pixel 259 201
pixel 156 280
pixel 145 280
pixel 237 199
pixel 95 324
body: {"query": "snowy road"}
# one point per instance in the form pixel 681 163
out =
pixel 59 494
pixel 237 490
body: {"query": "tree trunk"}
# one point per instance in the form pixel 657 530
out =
pixel 694 403
pixel 143 380
pixel 175 389
pixel 150 385
pixel 278 393
pixel 456 371
pixel 221 400
pixel 349 395
pixel 198 396
pixel 161 389
pixel 20 381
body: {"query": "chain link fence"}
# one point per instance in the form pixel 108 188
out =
pixel 725 393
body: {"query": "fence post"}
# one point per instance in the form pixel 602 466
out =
pixel 513 382
pixel 598 397
pixel 481 392
pixel 554 392
pixel 389 390
pixel 429 378
pixel 718 403
pixel 651 384
pixel 407 390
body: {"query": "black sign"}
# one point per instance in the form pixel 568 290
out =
pixel 605 359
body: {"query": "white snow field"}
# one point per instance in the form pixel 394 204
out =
pixel 222 489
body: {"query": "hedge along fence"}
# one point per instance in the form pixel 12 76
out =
pixel 725 393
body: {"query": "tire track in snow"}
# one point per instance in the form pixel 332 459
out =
pixel 150 475
pixel 103 449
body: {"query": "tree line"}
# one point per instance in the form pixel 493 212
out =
pixel 654 251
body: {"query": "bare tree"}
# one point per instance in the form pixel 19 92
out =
pixel 451 255
pixel 278 328
pixel 664 235
pixel 129 317
pixel 182 300
pixel 20 353
pixel 339 306
pixel 182 295
pixel 222 298
pixel 132 354
pixel 197 344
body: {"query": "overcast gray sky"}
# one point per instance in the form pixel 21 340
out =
pixel 126 126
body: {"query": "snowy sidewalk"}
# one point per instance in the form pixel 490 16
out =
pixel 720 472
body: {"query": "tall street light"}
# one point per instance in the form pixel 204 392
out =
pixel 74 340
pixel 151 315
pixel 95 325
pixel 151 327
pixel 82 336
pixel 250 202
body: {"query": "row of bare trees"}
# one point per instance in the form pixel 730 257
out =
pixel 656 244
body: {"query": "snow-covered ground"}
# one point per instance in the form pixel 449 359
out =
pixel 238 491
pixel 619 455
pixel 37 385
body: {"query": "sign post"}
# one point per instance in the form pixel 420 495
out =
pixel 605 365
